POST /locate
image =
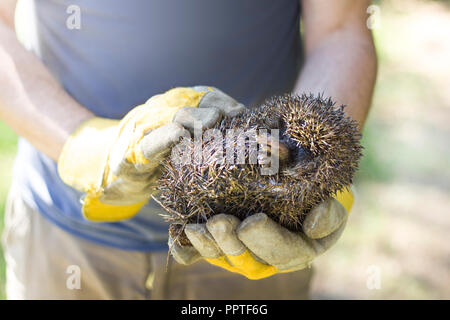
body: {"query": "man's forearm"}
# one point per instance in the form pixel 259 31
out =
pixel 342 65
pixel 32 102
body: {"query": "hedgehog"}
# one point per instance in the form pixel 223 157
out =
pixel 315 145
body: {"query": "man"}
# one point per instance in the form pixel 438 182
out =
pixel 91 61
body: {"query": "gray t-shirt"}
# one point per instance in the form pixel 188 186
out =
pixel 112 55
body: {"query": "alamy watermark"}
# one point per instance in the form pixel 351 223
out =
pixel 373 281
pixel 374 20
pixel 234 147
pixel 73 281
pixel 73 21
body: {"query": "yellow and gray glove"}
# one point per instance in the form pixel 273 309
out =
pixel 258 247
pixel 117 162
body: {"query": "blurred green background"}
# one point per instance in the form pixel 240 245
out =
pixel 400 225
pixel 8 141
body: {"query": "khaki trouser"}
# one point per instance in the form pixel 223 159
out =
pixel 45 262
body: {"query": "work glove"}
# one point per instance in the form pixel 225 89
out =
pixel 258 247
pixel 116 163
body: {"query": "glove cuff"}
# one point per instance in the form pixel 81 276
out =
pixel 345 197
pixel 83 157
pixel 97 211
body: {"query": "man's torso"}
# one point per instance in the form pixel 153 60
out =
pixel 126 51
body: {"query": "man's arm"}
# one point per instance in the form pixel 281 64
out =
pixel 340 54
pixel 32 102
pixel 7 8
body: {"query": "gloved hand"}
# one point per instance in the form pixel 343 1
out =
pixel 117 163
pixel 258 247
